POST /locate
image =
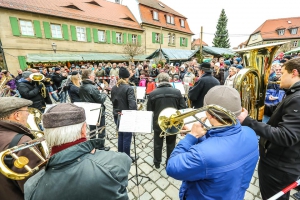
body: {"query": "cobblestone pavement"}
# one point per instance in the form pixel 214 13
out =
pixel 161 186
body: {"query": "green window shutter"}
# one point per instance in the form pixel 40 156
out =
pixel 129 38
pixel 65 31
pixel 108 37
pixel 37 28
pixel 180 41
pixel 162 38
pixel 114 39
pixel 95 34
pixel 47 30
pixel 73 33
pixel 186 42
pixel 298 43
pixel 139 40
pixel 22 62
pixel 153 37
pixel 124 38
pixel 14 26
pixel 88 35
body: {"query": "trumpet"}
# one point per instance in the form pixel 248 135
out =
pixel 171 121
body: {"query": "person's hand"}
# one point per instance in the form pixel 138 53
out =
pixel 198 130
pixel 184 130
pixel 271 98
pixel 243 115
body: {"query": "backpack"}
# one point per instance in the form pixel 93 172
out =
pixel 142 83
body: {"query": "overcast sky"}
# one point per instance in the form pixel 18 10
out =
pixel 243 16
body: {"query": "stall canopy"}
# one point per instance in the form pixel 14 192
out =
pixel 57 57
pixel 172 54
pixel 216 51
pixel 293 51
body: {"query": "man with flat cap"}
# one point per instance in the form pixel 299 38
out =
pixel 218 163
pixel 203 84
pixel 76 170
pixel 13 131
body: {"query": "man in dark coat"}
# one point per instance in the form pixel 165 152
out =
pixel 201 87
pixel 31 91
pixel 88 92
pixel 162 97
pixel 13 120
pixel 57 79
pixel 279 143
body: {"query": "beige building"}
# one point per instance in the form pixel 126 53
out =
pixel 29 30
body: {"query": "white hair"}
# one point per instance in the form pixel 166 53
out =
pixel 61 135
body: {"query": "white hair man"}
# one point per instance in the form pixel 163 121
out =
pixel 75 169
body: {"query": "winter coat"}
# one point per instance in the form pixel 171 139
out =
pixel 74 93
pixel 123 98
pixel 219 165
pixel 114 72
pixel 75 173
pixel 162 97
pixel 57 79
pixel 279 143
pixel 229 80
pixel 28 90
pixel 11 189
pixel 181 74
pixel 219 76
pixel 150 87
pixel 201 87
pixel 88 92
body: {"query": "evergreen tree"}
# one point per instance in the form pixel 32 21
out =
pixel 221 36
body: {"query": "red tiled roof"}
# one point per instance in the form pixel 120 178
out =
pixel 147 17
pixel 107 13
pixel 157 5
pixel 197 42
pixel 269 27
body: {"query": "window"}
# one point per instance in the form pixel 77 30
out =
pixel 101 36
pixel 119 37
pixel 172 20
pixel 183 41
pixel 26 28
pixel 155 15
pixel 295 43
pixel 173 39
pixel 157 37
pixel 255 37
pixel 168 19
pixel 169 38
pixel 281 32
pixel 294 31
pixel 81 34
pixel 134 39
pixel 181 22
pixel 56 31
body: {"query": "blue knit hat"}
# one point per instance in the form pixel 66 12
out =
pixel 227 62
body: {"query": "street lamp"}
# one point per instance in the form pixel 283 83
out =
pixel 54 47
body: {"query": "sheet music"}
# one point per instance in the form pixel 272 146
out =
pixel 136 121
pixel 140 92
pixel 92 111
pixel 191 118
pixel 179 86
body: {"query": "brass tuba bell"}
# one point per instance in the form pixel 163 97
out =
pixel 37 77
pixel 251 82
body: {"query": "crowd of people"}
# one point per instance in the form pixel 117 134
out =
pixel 215 163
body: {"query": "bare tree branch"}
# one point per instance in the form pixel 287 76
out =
pixel 133 50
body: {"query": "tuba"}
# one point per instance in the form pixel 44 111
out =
pixel 251 82
pixel 37 77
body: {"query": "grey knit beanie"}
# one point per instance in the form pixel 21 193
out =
pixel 226 97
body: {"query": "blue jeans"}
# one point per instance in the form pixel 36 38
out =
pixel 124 140
pixel 53 94
pixel 63 97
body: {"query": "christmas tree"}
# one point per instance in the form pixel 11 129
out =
pixel 221 36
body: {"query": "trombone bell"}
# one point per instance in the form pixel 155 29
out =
pixel 167 123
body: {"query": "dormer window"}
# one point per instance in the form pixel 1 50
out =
pixel 181 22
pixel 168 19
pixel 294 31
pixel 280 31
pixel 155 15
pixel 255 37
pixel 172 20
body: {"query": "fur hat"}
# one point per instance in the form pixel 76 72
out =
pixel 226 97
pixel 63 114
pixel 124 73
pixel 8 104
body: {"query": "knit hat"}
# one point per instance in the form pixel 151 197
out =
pixel 26 74
pixel 226 97
pixel 217 64
pixel 63 114
pixel 227 62
pixel 153 65
pixel 74 73
pixel 124 73
pixel 239 67
pixel 56 69
pixel 8 104
pixel 208 60
pixel 205 67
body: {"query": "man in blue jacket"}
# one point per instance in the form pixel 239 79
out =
pixel 219 163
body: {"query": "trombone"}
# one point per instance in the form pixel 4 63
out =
pixel 171 121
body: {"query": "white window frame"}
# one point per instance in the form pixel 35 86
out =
pixel 157 37
pixel 81 33
pixel 101 37
pixel 56 31
pixel 295 43
pixel 173 39
pixel 168 19
pixel 26 27
pixel 155 15
pixel 172 20
pixel 182 23
pixel 281 32
pixel 119 37
pixel 294 31
pixel 134 39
